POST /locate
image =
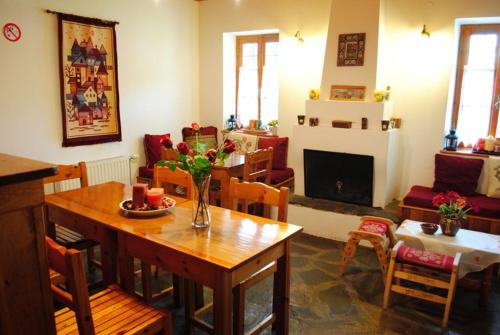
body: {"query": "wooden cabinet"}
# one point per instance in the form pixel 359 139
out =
pixel 25 298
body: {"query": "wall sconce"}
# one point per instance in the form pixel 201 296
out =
pixel 298 36
pixel 425 32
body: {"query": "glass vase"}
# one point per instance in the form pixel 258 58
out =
pixel 449 226
pixel 201 207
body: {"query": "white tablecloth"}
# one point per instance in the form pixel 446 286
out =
pixel 479 250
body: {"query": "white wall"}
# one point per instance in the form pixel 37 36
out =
pixel 300 64
pixel 418 71
pixel 157 42
pixel 354 16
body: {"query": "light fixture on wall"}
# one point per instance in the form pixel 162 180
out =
pixel 298 36
pixel 425 32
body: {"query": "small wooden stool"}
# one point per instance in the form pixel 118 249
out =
pixel 423 267
pixel 374 230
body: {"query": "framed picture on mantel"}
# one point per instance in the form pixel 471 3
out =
pixel 347 92
pixel 351 51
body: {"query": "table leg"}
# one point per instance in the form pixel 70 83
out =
pixel 486 285
pixel 108 245
pixel 281 292
pixel 223 304
pixel 126 265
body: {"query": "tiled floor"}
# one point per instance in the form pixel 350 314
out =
pixel 324 303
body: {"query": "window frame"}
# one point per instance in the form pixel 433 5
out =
pixel 466 31
pixel 261 41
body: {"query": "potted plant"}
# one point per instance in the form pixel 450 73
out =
pixel 273 125
pixel 198 162
pixel 452 208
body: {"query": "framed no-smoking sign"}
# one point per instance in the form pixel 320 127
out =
pixel 11 32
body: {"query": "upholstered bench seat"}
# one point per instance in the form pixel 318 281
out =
pixel 425 258
pixel 421 196
pixel 280 175
pixel 146 172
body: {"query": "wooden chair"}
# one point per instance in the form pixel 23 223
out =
pixel 375 230
pixel 258 166
pixel 170 180
pixel 267 195
pixel 64 236
pixel 110 311
pixel 410 264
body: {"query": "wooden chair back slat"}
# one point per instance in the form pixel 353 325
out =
pixel 69 263
pixel 258 166
pixel 67 172
pixel 169 154
pixel 259 193
pixel 164 176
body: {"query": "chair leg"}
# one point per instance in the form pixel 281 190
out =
pixel 238 310
pixel 147 290
pixel 90 258
pixel 388 282
pixel 349 251
pixel 449 299
pixel 382 257
pixel 167 325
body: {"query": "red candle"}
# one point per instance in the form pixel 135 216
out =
pixel 139 195
pixel 154 199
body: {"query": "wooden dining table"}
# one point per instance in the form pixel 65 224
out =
pixel 235 246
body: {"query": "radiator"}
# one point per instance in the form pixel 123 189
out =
pixel 99 171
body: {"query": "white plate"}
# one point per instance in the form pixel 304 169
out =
pixel 147 213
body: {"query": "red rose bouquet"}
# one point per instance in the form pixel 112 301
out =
pixel 198 162
pixel 452 205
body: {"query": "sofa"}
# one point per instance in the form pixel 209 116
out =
pixel 459 174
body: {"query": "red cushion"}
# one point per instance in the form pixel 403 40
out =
pixel 280 150
pixel 278 176
pixel 152 147
pixel 425 258
pixel 373 226
pixel 146 172
pixel 210 130
pixel 421 196
pixel 456 174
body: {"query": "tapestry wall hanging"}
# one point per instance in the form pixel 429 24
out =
pixel 351 51
pixel 89 81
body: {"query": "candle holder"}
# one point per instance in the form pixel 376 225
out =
pixel 301 119
pixel 313 121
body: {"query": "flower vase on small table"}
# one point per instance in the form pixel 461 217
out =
pixel 452 207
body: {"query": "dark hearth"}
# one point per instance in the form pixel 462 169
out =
pixel 338 176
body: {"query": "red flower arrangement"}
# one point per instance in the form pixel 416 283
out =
pixel 452 205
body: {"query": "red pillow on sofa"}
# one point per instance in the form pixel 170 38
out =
pixel 456 174
pixel 280 150
pixel 152 146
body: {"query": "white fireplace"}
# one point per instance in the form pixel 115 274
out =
pixel 382 145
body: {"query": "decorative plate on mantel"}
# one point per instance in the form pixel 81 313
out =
pixel 126 207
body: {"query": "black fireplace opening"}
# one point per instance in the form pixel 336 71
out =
pixel 338 176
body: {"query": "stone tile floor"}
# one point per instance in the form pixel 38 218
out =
pixel 324 303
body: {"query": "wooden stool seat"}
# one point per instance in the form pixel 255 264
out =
pixel 425 268
pixel 425 258
pixel 374 230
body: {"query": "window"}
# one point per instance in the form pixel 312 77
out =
pixel 477 88
pixel 257 78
